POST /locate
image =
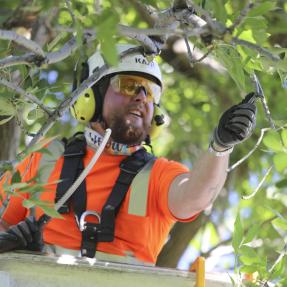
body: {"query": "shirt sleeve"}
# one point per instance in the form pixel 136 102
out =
pixel 11 203
pixel 165 172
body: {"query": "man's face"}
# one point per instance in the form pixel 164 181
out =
pixel 128 116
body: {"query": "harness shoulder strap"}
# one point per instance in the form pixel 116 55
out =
pixel 104 230
pixel 75 150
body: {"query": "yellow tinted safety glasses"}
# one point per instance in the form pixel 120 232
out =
pixel 129 85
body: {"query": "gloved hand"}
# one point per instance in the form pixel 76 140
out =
pixel 235 125
pixel 25 235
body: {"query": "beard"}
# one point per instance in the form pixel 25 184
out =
pixel 123 131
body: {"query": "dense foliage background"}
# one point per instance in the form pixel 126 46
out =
pixel 245 231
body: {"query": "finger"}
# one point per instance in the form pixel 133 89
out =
pixel 242 120
pixel 249 107
pixel 18 233
pixel 237 130
pixel 26 233
pixel 32 223
pixel 243 116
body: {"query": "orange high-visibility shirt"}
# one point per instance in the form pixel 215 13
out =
pixel 142 236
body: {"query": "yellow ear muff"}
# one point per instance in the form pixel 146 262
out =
pixel 158 122
pixel 84 107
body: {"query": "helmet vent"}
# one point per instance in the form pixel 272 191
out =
pixel 82 118
pixel 87 95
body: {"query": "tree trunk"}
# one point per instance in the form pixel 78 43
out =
pixel 9 135
pixel 180 236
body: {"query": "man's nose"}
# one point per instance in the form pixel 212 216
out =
pixel 141 95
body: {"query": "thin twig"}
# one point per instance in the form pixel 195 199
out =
pixel 259 185
pixel 97 5
pixel 67 50
pixel 215 26
pixel 241 17
pixel 22 41
pixel 9 61
pixel 261 96
pixel 31 59
pixel 264 52
pixel 189 53
pixel 69 6
pixel 250 152
pixel 195 61
pixel 25 94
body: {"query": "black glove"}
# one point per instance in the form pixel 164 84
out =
pixel 25 235
pixel 235 125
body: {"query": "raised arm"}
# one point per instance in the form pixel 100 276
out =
pixel 192 192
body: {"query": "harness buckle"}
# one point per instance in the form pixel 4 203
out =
pixel 82 224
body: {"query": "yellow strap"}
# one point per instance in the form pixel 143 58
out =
pixel 139 191
pixel 198 266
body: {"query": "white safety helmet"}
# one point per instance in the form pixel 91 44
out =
pixel 135 62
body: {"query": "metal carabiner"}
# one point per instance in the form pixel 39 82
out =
pixel 83 216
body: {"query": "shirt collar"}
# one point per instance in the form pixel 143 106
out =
pixel 94 139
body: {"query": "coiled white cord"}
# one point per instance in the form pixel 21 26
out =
pixel 85 172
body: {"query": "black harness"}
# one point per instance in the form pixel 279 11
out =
pixel 103 230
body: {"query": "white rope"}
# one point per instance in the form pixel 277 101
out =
pixel 85 172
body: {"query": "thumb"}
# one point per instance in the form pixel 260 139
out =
pixel 249 98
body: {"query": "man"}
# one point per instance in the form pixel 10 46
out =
pixel 133 228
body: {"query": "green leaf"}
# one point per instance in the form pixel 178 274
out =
pixel 248 269
pixel 281 183
pixel 256 23
pixel 284 137
pixel 109 51
pixel 279 268
pixel 251 233
pixel 280 223
pixel 28 203
pixel 262 9
pixel 280 161
pixel 249 260
pixel 237 237
pixel 35 114
pixel 36 147
pixel 6 120
pixel 106 30
pixel 6 107
pixel 8 188
pixel 49 210
pixel 273 141
pixel 231 59
pixel 277 213
pixel 248 251
pixel 16 178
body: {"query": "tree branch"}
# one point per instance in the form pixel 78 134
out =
pixel 259 185
pixel 27 59
pixel 241 17
pixel 25 94
pixel 251 151
pixel 22 41
pixel 264 52
pixel 69 6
